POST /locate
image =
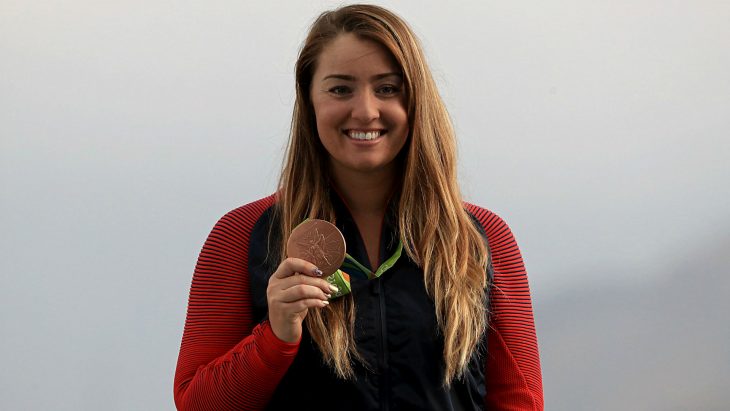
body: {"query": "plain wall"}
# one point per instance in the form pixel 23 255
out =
pixel 598 130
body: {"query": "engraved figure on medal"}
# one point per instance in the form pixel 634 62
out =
pixel 318 242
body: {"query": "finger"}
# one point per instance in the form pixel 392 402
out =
pixel 283 284
pixel 301 305
pixel 301 292
pixel 291 265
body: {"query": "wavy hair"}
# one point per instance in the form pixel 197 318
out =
pixel 436 231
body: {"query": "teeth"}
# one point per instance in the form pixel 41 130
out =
pixel 362 135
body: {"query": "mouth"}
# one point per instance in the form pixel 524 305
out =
pixel 364 135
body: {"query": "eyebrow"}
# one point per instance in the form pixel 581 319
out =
pixel 347 77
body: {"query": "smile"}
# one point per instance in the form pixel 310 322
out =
pixel 364 135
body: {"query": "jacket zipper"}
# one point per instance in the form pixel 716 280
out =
pixel 383 357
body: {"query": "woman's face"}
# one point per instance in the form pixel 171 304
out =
pixel 359 103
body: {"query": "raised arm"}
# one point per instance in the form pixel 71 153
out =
pixel 513 375
pixel 225 362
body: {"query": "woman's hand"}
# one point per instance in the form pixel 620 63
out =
pixel 294 288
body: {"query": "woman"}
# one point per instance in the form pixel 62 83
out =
pixel 439 317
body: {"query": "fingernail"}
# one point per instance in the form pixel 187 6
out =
pixel 334 289
pixel 326 303
pixel 317 272
pixel 328 296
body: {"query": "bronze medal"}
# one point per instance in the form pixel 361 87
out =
pixel 320 243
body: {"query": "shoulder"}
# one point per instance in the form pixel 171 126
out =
pixel 248 214
pixel 252 210
pixel 495 228
pixel 505 256
pixel 239 222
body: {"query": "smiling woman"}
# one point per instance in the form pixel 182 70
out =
pixel 438 314
pixel 359 103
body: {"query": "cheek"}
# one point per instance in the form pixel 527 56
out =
pixel 400 118
pixel 398 113
pixel 327 117
pixel 406 134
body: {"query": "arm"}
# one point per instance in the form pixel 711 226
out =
pixel 225 362
pixel 513 376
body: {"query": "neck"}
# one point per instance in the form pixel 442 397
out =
pixel 365 193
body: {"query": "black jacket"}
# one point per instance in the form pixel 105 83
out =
pixel 395 332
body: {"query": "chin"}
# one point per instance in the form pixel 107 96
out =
pixel 374 167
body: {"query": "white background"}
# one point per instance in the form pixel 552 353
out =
pixel 599 130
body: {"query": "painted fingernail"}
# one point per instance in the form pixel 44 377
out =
pixel 328 296
pixel 326 303
pixel 317 272
pixel 334 289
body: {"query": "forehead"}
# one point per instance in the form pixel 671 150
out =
pixel 349 54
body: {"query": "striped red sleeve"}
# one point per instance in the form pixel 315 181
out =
pixel 225 362
pixel 512 370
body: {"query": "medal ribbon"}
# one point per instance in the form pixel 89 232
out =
pixel 350 266
pixel 341 277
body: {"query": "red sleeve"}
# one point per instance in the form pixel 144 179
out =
pixel 226 363
pixel 513 375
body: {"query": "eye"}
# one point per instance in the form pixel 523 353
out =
pixel 339 90
pixel 388 89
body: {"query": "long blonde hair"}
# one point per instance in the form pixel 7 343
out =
pixel 436 231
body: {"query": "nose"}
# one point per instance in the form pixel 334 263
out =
pixel 365 107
